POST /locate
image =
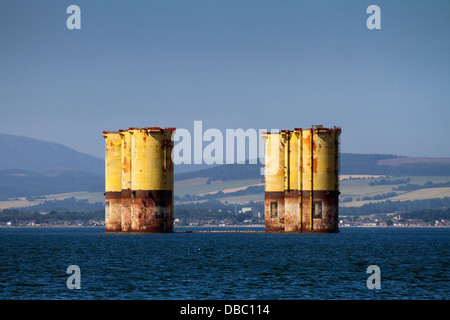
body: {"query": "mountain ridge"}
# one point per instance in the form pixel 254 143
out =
pixel 19 152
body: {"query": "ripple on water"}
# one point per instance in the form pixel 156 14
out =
pixel 414 264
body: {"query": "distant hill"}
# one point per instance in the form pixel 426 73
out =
pixel 357 164
pixel 35 155
pixel 403 160
pixel 22 183
pixel 31 167
pixel 382 164
pixel 224 172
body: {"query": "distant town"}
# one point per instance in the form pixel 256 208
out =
pixel 242 217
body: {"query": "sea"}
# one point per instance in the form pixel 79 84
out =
pixel 37 263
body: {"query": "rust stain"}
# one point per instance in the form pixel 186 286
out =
pixel 126 210
pixel 113 219
pixel 126 165
pixel 307 142
pixel 291 211
pixel 274 211
pixel 314 167
pixel 152 211
pixel 319 145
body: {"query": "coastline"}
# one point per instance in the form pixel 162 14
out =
pixel 219 226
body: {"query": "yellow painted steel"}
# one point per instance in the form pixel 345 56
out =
pixel 298 163
pixel 141 178
pixel 326 155
pixel 319 159
pixel 113 180
pixel 137 159
pixel 165 138
pixel 126 159
pixel 293 164
pixel 274 175
pixel 305 160
pixel 285 137
pixel 113 163
pixel 149 160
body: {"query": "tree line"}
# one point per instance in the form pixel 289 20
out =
pixel 53 217
pixel 413 186
pixel 389 206
pixel 386 182
pixel 427 210
pixel 428 215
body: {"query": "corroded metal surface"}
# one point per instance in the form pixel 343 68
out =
pixel 113 211
pixel 301 177
pixel 152 211
pixel 113 181
pixel 324 210
pixel 139 180
pixel 126 210
pixel 291 211
pixel 274 209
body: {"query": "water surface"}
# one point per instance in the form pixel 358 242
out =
pixel 414 264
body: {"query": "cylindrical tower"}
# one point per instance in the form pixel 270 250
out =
pixel 168 172
pixel 302 180
pixel 113 181
pixel 292 187
pixel 325 179
pixel 151 180
pixel 274 181
pixel 320 191
pixel 126 180
pixel 307 169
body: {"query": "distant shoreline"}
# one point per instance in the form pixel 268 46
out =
pixel 218 226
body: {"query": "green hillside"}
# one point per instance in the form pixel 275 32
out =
pixel 358 192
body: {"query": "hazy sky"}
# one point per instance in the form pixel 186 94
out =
pixel 231 64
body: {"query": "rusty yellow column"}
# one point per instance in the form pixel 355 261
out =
pixel 302 180
pixel 326 180
pixel 151 179
pixel 320 194
pixel 113 181
pixel 168 173
pixel 274 181
pixel 292 185
pixel 307 179
pixel 298 132
pixel 126 180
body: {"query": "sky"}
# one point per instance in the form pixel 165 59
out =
pixel 230 64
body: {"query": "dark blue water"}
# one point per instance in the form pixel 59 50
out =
pixel 414 264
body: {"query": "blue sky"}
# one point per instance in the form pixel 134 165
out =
pixel 231 64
